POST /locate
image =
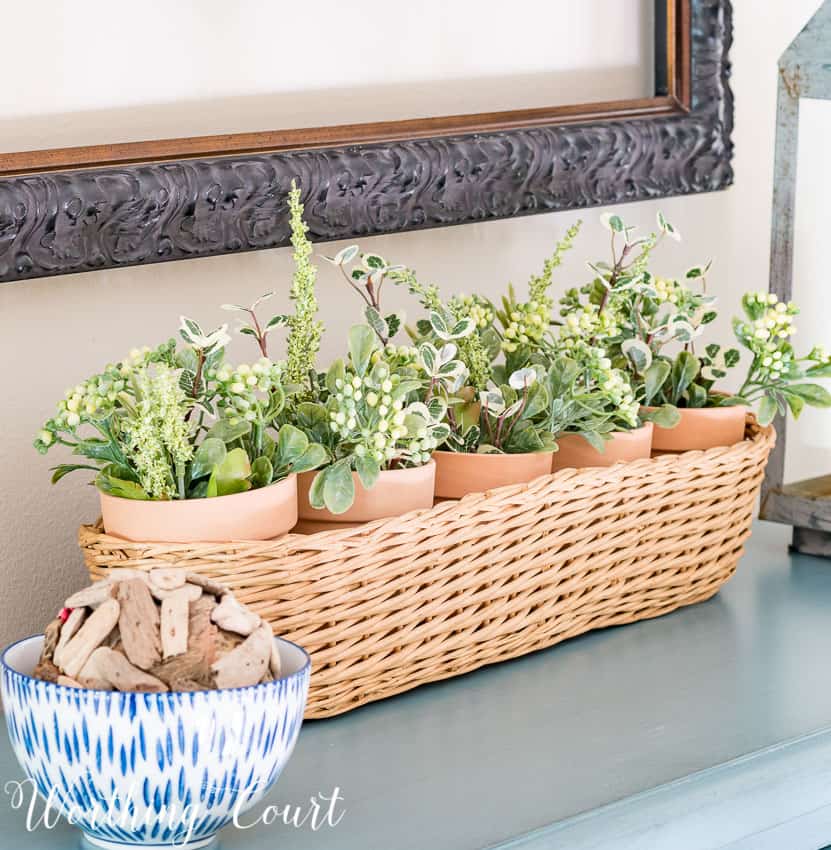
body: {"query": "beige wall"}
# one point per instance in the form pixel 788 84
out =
pixel 56 331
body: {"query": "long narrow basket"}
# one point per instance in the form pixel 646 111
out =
pixel 436 593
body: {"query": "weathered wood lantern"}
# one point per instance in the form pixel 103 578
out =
pixel 804 71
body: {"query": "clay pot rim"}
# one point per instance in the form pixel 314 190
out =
pixel 389 473
pixel 617 433
pixel 703 411
pixel 491 456
pixel 180 504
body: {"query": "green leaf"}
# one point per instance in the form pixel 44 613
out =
pixel 428 354
pixel 812 394
pixel 654 378
pixel 376 322
pixel 767 410
pixel 373 261
pixel 393 324
pixel 612 222
pixel 684 371
pixel 62 469
pixel 665 416
pixel 339 487
pixel 525 440
pixel 95 449
pixel 462 328
pixel 316 490
pixel 594 439
pixel 795 403
pixel 337 372
pixel 120 488
pixel 821 371
pixel 368 470
pixel 210 453
pixel 314 456
pixel 696 396
pixel 231 476
pixel 291 443
pixel 638 353
pixel 362 342
pixel 227 431
pixel 274 321
pixel 346 255
pixel 261 472
pixel 312 418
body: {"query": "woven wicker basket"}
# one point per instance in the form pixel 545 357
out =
pixel 399 602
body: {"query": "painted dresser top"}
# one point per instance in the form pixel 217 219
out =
pixel 704 728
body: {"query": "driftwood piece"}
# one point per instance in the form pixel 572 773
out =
pixel 174 623
pixel 70 628
pixel 47 671
pixel 167 578
pixel 122 675
pixel 138 624
pixel 89 637
pixel 233 617
pixel 69 682
pixel 248 663
pixel 193 592
pixel 51 635
pixel 118 574
pixel 207 584
pixel 91 676
pixel 192 670
pixel 92 596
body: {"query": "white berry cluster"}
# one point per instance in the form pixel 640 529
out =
pixel 766 331
pixel 582 325
pixel 527 324
pixel 370 416
pixel 671 291
pixel 473 307
pixel 397 357
pixel 245 389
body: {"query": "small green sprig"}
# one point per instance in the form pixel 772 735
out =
pixel 776 376
pixel 305 331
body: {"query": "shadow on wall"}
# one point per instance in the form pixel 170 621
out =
pixel 324 107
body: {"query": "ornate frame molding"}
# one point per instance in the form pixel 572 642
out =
pixel 60 222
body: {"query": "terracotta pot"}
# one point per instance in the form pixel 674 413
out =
pixel 575 453
pixel 254 515
pixel 701 428
pixel 458 473
pixel 396 492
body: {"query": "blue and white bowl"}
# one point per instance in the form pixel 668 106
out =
pixel 148 769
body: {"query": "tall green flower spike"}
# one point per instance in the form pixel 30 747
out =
pixel 304 335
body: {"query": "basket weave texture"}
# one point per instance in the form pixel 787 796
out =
pixel 436 593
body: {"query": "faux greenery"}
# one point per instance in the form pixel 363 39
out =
pixel 369 420
pixel 179 424
pixel 303 341
pixel 650 326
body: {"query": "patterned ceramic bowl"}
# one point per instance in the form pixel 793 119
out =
pixel 152 770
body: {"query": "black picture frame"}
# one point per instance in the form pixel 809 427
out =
pixel 176 205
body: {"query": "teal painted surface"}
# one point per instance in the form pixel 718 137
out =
pixel 560 749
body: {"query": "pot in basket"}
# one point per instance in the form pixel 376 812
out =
pixel 157 770
pixel 259 514
pixel 396 492
pixel 701 428
pixel 576 453
pixel 460 473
